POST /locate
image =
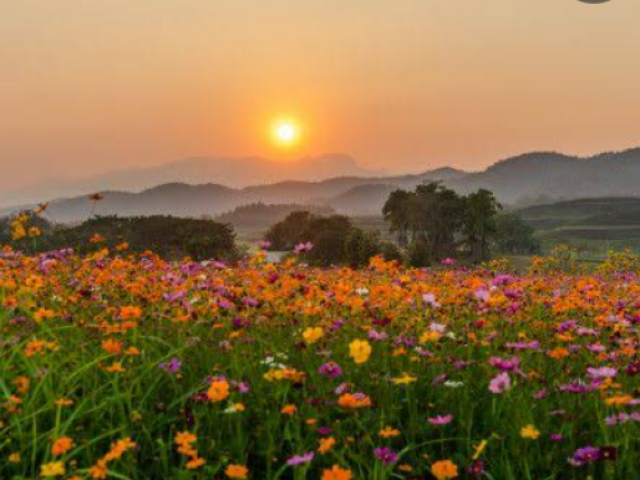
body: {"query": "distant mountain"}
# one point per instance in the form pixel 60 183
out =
pixel 181 199
pixel 232 172
pixel 530 179
pixel 556 176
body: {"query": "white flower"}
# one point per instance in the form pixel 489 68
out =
pixel 453 384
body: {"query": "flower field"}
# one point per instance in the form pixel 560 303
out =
pixel 129 367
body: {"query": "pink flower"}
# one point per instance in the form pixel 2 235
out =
pixel 602 372
pixel 500 383
pixel 440 420
pixel 300 459
pixel 303 247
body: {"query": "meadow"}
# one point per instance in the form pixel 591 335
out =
pixel 114 365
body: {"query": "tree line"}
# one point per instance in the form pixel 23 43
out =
pixel 430 224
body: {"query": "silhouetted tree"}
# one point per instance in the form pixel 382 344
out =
pixel 479 222
pixel 514 235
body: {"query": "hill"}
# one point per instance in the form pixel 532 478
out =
pixel 592 224
pixel 534 178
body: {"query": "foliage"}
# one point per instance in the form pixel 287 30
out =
pixel 562 259
pixel 514 236
pixel 622 262
pixel 333 240
pixel 434 222
pixel 171 237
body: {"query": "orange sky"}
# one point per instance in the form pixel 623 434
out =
pixel 88 86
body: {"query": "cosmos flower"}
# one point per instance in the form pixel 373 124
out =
pixel 385 455
pixel 500 383
pixel 440 420
pixel 300 459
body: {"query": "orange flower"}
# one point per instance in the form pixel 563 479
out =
pixel 61 446
pixel 289 410
pixel 389 432
pixel 336 473
pixel 112 346
pixel 326 444
pixel 444 469
pixel 218 391
pixel 350 400
pixel 236 471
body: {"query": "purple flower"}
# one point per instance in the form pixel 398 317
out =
pixel 440 420
pixel 556 437
pixel 584 456
pixel 385 455
pixel 172 366
pixel 300 459
pixel 330 370
pixel 500 383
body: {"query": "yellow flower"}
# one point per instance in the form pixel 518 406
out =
pixel 53 469
pixel 444 469
pixel 312 335
pixel 429 336
pixel 530 432
pixel 404 379
pixel 360 350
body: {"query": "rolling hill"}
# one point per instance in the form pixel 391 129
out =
pixel 533 178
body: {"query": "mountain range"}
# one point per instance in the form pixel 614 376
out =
pixel 532 178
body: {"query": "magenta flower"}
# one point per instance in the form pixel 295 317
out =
pixel 385 455
pixel 330 370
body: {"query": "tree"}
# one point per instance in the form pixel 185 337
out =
pixel 514 235
pixel 361 246
pixel 429 217
pixel 169 237
pixel 396 212
pixel 329 238
pixel 285 235
pixel 479 223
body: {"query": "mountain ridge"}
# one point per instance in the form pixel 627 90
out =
pixel 530 178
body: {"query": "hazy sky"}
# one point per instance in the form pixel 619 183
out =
pixel 89 86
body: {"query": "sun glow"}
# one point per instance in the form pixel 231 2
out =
pixel 286 132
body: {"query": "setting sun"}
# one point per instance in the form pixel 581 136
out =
pixel 286 132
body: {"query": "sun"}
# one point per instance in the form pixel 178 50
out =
pixel 286 132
